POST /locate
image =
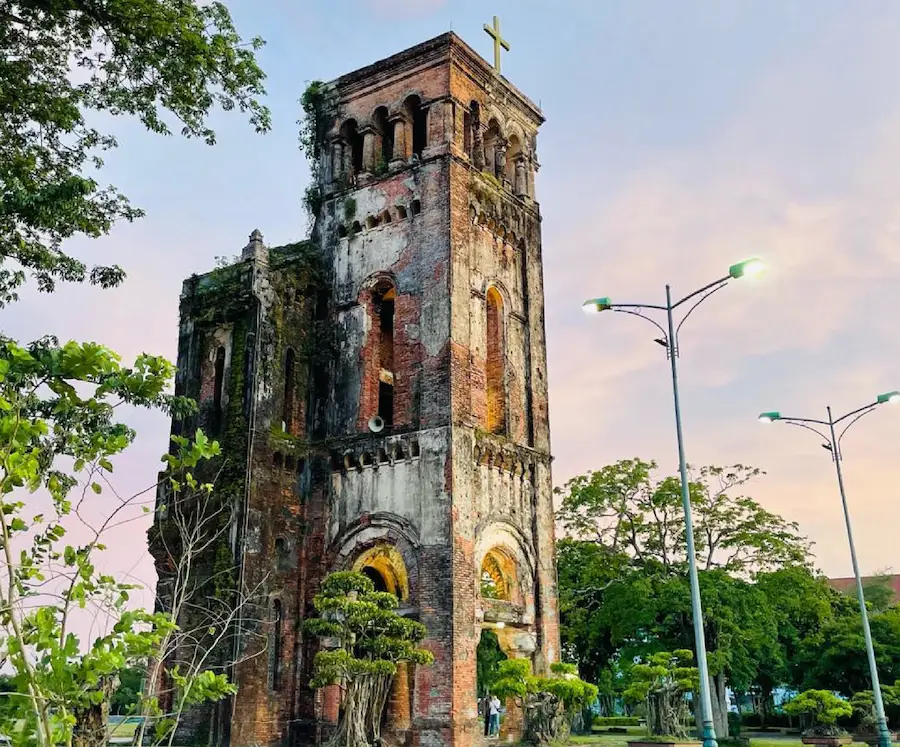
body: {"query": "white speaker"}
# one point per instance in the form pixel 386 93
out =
pixel 376 424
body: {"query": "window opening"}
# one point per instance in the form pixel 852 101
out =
pixel 218 385
pixel 287 413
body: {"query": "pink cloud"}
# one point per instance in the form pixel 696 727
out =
pixel 828 224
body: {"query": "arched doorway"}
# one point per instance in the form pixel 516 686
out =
pixel 374 575
pixel 488 656
pixel 499 577
pixel 384 565
pixel 506 601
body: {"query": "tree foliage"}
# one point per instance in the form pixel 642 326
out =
pixel 160 61
pixel 623 582
pixel 59 431
pixel 661 682
pixel 823 708
pixel 624 508
pixel 550 702
pixel 833 656
pixel 363 639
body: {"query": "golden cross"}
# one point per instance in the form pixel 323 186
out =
pixel 499 41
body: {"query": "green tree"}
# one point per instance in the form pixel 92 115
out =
pixel 661 682
pixel 488 656
pixel 834 658
pixel 162 61
pixel 363 640
pixel 58 434
pixel 587 574
pixel 126 699
pixel 550 702
pixel 622 571
pixel 823 709
pixel 878 592
pixel 626 509
pixel 801 604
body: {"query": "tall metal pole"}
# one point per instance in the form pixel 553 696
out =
pixel 884 736
pixel 709 730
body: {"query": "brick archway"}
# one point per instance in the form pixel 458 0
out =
pixel 506 602
pixel 385 545
pixel 386 561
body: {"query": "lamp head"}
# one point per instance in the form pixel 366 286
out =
pixel 596 305
pixel 769 417
pixel 747 269
pixel 892 397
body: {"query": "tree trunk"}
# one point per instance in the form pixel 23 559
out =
pixel 717 694
pixel 363 709
pixel 91 723
pixel 545 720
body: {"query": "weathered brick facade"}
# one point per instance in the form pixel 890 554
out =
pixel 419 300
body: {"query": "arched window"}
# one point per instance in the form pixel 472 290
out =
pixel 491 143
pixel 218 386
pixel 495 363
pixel 418 120
pixel 249 371
pixel 385 132
pixel 354 154
pixel 472 125
pixel 385 295
pixel 277 644
pixel 513 153
pixel 287 409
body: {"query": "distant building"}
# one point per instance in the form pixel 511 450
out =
pixel 848 585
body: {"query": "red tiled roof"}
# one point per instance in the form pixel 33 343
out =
pixel 849 584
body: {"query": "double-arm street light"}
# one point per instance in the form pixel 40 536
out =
pixel 832 442
pixel 669 341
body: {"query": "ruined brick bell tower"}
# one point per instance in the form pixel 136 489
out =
pixel 383 389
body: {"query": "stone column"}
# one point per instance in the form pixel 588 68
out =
pixel 398 706
pixel 477 146
pixel 500 160
pixel 337 160
pixel 368 156
pixel 450 109
pixel 521 185
pixel 435 124
pixel 331 703
pixel 327 171
pixel 401 153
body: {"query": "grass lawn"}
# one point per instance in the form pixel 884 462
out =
pixel 636 732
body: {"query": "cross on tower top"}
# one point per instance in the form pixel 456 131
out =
pixel 499 41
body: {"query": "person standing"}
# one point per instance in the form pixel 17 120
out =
pixel 494 711
pixel 485 707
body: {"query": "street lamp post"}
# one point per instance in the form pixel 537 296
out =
pixel 669 340
pixel 833 444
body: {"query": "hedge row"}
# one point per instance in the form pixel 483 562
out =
pixel 616 721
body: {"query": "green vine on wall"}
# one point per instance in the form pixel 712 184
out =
pixel 313 128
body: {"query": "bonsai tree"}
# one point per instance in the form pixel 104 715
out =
pixel 863 705
pixel 823 709
pixel 363 640
pixel 661 683
pixel 550 703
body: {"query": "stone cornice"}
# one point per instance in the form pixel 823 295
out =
pixel 431 53
pixel 443 49
pixel 485 75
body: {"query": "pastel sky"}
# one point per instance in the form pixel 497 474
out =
pixel 680 137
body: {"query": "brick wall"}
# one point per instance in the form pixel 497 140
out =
pixel 440 233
